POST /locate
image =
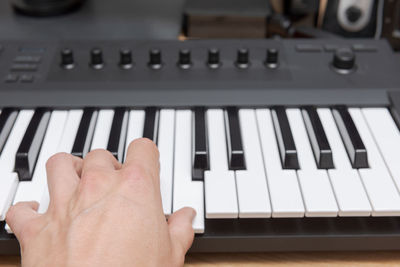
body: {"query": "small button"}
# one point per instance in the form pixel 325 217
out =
pixel 24 67
pixel 28 59
pixel 11 78
pixel 27 78
pixel 364 48
pixel 308 48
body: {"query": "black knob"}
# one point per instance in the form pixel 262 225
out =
pixel 344 60
pixel 125 61
pixel 353 14
pixel 271 60
pixel 185 61
pixel 67 59
pixel 96 60
pixel 155 61
pixel 242 60
pixel 213 60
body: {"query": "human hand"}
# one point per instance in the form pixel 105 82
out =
pixel 103 213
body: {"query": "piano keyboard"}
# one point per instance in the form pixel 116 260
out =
pixel 226 163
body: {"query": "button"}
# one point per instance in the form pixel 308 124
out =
pixel 364 48
pixel 125 61
pixel 242 61
pixel 24 67
pixel 27 78
pixel 28 59
pixel 213 61
pixel 155 59
pixel 308 48
pixel 67 59
pixel 185 61
pixel 96 59
pixel 271 60
pixel 11 78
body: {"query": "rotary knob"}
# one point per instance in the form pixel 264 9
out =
pixel 344 61
pixel 67 59
pixel 96 59
pixel 242 61
pixel 155 59
pixel 353 14
pixel 213 60
pixel 185 61
pixel 125 61
pixel 271 60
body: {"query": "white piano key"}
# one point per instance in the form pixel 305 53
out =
pixel 65 145
pixel 387 138
pixel 284 190
pixel 166 148
pixel 346 183
pixel 135 127
pixel 220 186
pixel 318 196
pixel 9 179
pixel 103 128
pixel 33 190
pixel 378 183
pixel 251 183
pixel 187 193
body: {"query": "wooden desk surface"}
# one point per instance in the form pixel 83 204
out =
pixel 278 259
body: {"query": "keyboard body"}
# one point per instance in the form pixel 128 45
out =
pixel 31 76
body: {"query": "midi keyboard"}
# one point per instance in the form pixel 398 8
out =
pixel 279 145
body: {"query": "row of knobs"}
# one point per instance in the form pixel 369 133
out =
pixel 155 59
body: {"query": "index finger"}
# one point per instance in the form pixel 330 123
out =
pixel 143 152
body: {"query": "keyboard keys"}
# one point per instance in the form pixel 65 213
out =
pixel 387 138
pixel 9 179
pixel 116 142
pixel 287 147
pixel 318 196
pixel 252 189
pixel 187 193
pixel 378 183
pixel 201 157
pixel 234 140
pixel 28 151
pixel 85 133
pixel 102 130
pixel 351 138
pixel 33 190
pixel 219 181
pixel 135 127
pixel 151 124
pixel 319 142
pixel 7 120
pixel 284 190
pixel 346 183
pixel 165 145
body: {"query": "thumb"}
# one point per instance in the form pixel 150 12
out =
pixel 20 215
pixel 180 228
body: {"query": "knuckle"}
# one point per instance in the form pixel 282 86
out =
pixel 135 172
pixel 97 152
pixel 59 157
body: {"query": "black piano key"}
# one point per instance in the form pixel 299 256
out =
pixel 236 157
pixel 85 133
pixel 7 120
pixel 200 151
pixel 319 142
pixel 28 151
pixel 116 141
pixel 351 138
pixel 284 136
pixel 151 124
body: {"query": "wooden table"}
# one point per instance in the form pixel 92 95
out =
pixel 278 259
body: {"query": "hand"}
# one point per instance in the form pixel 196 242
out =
pixel 102 213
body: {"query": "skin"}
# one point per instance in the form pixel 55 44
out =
pixel 103 213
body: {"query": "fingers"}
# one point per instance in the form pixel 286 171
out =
pixel 180 228
pixel 100 160
pixel 144 153
pixel 20 215
pixel 63 174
